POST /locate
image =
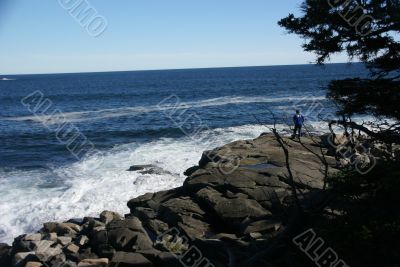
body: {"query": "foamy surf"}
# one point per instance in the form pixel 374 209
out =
pixel 30 198
pixel 93 115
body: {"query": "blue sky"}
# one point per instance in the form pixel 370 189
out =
pixel 40 36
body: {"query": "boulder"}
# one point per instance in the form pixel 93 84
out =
pixel 22 257
pixel 150 254
pixel 255 235
pixel 108 216
pixel 58 261
pixel 72 249
pixel 82 240
pixel 89 224
pixel 102 262
pixel 49 253
pixel 51 236
pixel 42 245
pixel 86 253
pixel 46 249
pixel 98 237
pixel 62 229
pixel 211 156
pixel 33 237
pixel 139 167
pixel 33 264
pixel 132 223
pixel 77 221
pixel 144 214
pixel 209 178
pixel 64 240
pixel 269 198
pixel 191 170
pixel 186 214
pixel 154 200
pixel 127 259
pixel 263 226
pixel 105 251
pixel 172 210
pixel 67 263
pixel 231 210
pixel 128 240
pixel 140 201
pixel 157 227
pixel 128 235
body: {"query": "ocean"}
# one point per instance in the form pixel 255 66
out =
pixel 165 118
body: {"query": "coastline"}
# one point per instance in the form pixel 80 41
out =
pixel 56 186
pixel 250 206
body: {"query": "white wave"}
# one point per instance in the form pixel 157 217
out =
pixel 134 111
pixel 28 198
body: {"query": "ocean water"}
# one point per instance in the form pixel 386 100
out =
pixel 164 118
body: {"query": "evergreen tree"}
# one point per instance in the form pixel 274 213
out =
pixel 368 31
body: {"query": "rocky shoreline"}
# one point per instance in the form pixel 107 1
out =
pixel 214 219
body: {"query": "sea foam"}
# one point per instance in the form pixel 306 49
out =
pixel 92 115
pixel 30 198
pixel 101 181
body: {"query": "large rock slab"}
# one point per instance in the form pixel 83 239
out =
pixel 232 211
pixel 128 235
pixel 154 200
pixel 130 260
pixel 185 213
pixel 103 262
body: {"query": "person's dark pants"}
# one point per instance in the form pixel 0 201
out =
pixel 297 128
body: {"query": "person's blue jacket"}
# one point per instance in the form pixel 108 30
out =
pixel 298 120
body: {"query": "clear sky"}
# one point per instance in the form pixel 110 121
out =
pixel 40 36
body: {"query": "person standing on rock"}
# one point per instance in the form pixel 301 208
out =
pixel 298 120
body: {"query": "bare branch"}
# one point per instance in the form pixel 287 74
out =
pixel 287 160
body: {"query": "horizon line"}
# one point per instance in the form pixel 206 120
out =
pixel 173 69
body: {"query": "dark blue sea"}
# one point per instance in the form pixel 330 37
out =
pixel 164 118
